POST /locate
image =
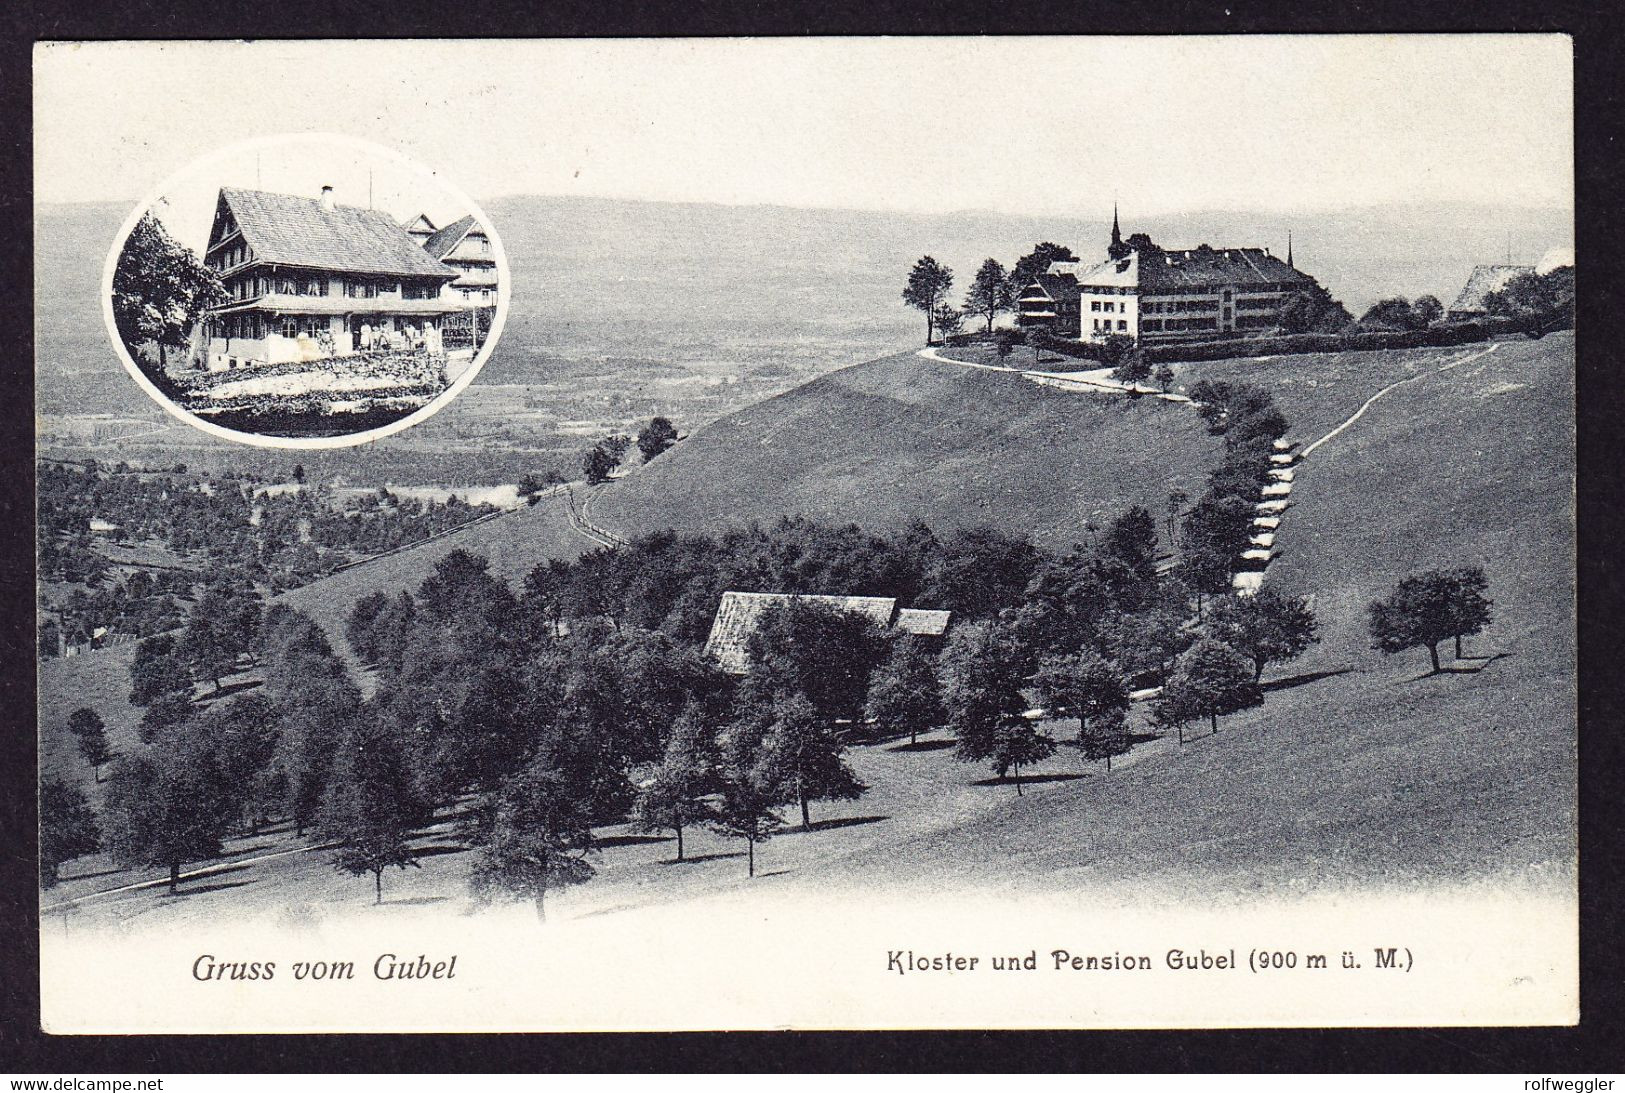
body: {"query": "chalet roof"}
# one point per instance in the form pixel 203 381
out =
pixel 419 225
pixel 739 614
pixel 297 231
pixel 1060 287
pixel 1485 280
pixel 442 242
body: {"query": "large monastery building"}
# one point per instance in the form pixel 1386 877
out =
pixel 1148 292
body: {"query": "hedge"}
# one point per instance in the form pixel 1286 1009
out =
pixel 1445 334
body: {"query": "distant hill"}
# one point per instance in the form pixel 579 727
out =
pixel 606 289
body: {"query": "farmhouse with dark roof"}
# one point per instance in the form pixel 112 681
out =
pixel 310 279
pixel 1149 292
pixel 740 613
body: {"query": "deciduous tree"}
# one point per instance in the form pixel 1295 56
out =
pixel 656 437
pixel 1266 628
pixel 160 289
pixel 67 828
pixel 905 694
pixel 1209 680
pixel 369 807
pixel 1093 690
pixel 673 797
pixel 169 803
pixel 1419 613
pixel 983 664
pixel 535 838
pixel 990 293
pixel 928 284
pixel 91 735
pixel 1037 261
pixel 806 758
pixel 747 807
pixel 156 670
pixel 1469 603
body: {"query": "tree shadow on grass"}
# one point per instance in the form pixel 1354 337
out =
pixel 438 849
pixel 89 876
pixel 832 824
pixel 631 840
pixel 228 690
pixel 1458 670
pixel 203 888
pixel 923 745
pixel 415 901
pixel 255 849
pixel 695 859
pixel 1029 780
pixel 1299 680
pixel 772 873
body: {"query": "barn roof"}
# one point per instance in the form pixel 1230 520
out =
pixel 1485 280
pixel 912 620
pixel 444 241
pixel 298 231
pixel 740 613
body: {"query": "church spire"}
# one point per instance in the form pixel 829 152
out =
pixel 1289 264
pixel 1117 249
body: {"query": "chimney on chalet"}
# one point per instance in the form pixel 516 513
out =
pixel 327 197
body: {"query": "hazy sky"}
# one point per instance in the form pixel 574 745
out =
pixel 303 165
pixel 1043 126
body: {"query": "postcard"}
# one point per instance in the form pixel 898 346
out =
pixel 909 533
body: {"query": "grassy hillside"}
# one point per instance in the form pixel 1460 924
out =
pixel 1359 771
pixel 901 438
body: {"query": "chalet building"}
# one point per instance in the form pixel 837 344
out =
pixel 465 246
pixel 740 613
pixel 1470 303
pixel 1148 292
pixel 312 279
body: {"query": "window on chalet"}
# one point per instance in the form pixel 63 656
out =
pixel 361 290
pixel 418 291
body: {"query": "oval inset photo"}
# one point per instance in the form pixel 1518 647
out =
pixel 305 291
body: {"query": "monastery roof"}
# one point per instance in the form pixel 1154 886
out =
pixel 1200 269
pixel 1485 280
pixel 299 231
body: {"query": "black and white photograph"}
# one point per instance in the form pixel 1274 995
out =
pixel 897 533
pixel 288 308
